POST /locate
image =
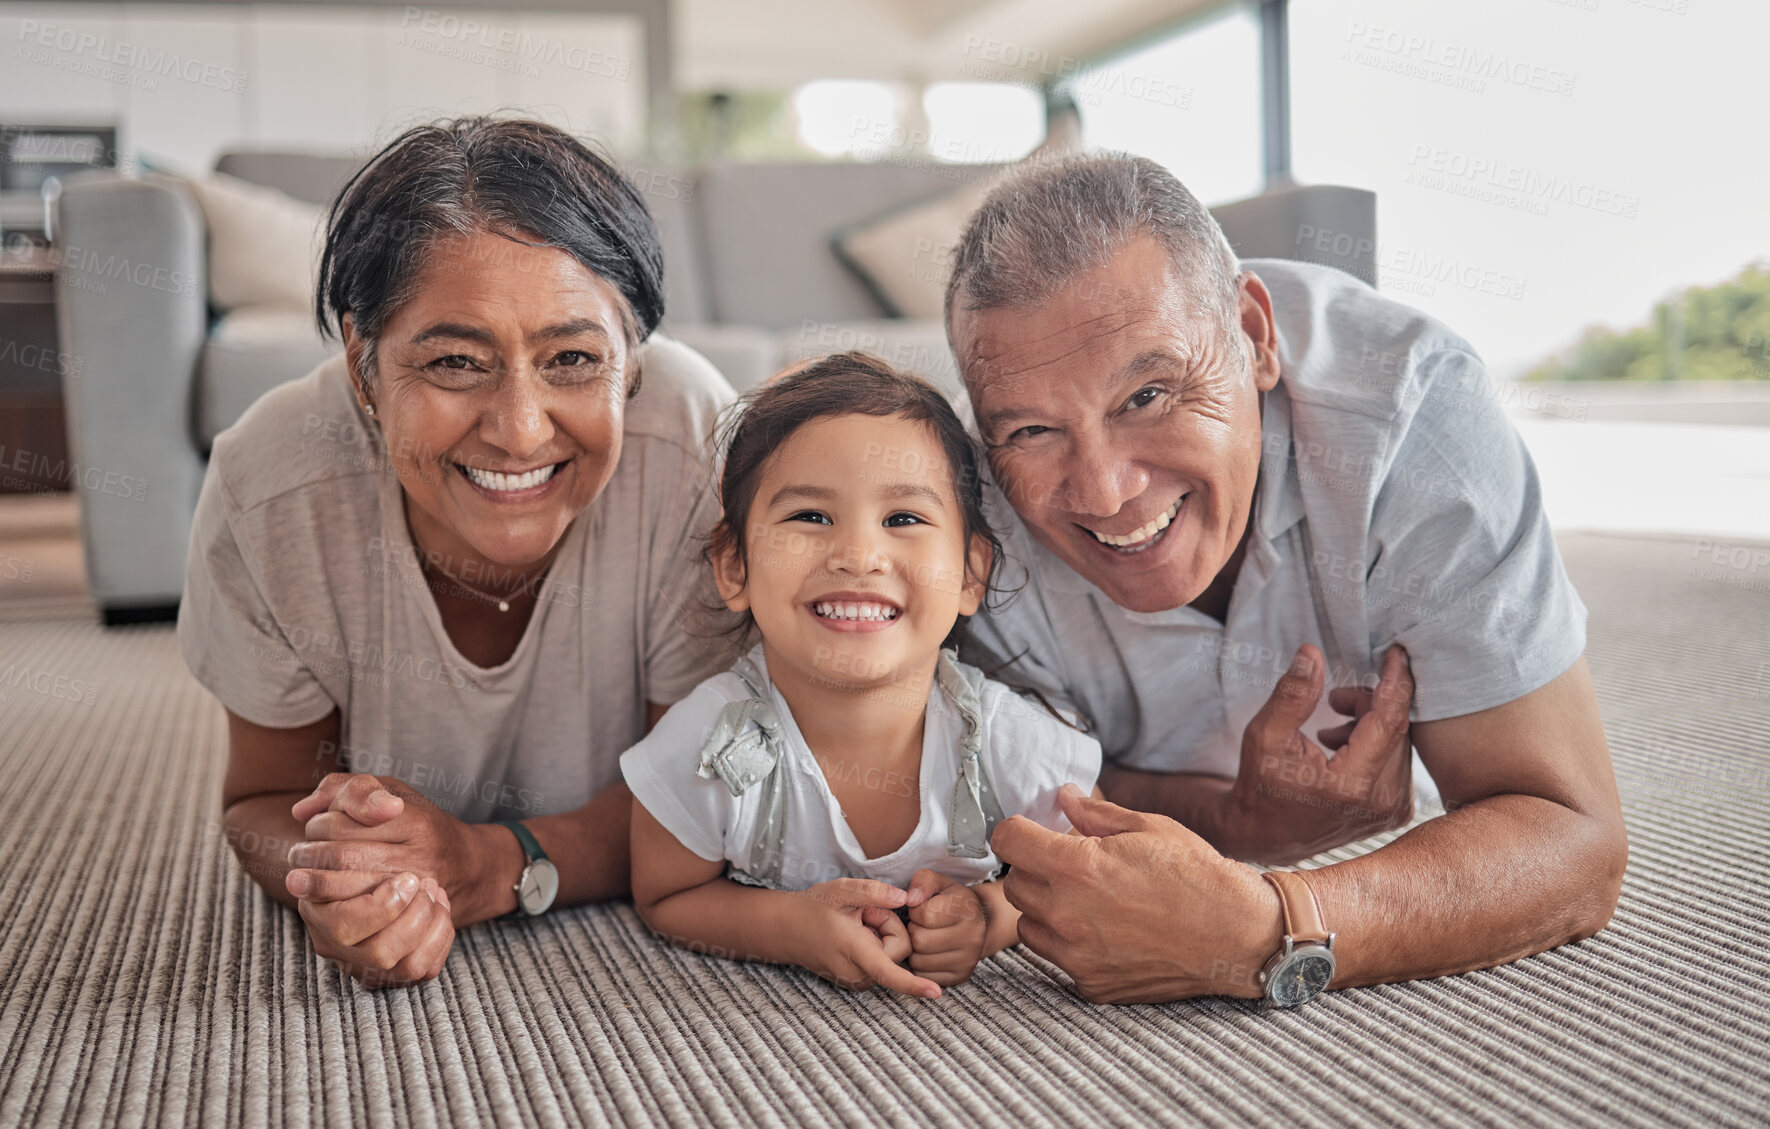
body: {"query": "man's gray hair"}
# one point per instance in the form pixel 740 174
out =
pixel 1052 220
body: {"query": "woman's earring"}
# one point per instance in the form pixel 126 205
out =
pixel 369 409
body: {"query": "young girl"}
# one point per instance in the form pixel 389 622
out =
pixel 848 771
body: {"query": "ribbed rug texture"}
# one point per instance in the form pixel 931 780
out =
pixel 144 979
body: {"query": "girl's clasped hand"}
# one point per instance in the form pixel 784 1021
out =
pixel 854 936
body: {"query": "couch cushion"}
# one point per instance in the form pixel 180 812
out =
pixel 767 235
pixel 905 256
pixel 252 350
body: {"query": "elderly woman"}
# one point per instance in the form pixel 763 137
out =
pixel 441 583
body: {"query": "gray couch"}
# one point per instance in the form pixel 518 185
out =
pixel 751 282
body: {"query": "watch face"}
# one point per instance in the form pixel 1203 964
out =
pixel 540 884
pixel 1302 976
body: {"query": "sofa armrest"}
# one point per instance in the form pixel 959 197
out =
pixel 130 307
pixel 745 355
pixel 1313 223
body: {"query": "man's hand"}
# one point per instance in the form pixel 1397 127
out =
pixel 948 928
pixel 386 930
pixel 1295 798
pixel 1137 909
pixel 854 940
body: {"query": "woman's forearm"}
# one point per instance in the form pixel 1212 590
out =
pixel 260 830
pixel 587 845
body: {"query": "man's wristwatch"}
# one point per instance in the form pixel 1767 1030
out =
pixel 539 883
pixel 1304 965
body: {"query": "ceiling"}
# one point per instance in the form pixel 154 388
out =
pixel 770 44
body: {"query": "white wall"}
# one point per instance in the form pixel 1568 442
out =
pixel 777 44
pixel 185 82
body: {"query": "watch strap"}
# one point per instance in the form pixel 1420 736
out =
pixel 531 847
pixel 1302 912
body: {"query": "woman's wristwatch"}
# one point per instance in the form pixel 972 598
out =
pixel 1304 964
pixel 539 883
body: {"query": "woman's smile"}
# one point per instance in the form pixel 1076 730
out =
pixel 508 488
pixel 501 448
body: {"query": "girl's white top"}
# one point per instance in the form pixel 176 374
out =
pixel 1028 754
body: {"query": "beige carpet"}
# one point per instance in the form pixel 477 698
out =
pixel 144 979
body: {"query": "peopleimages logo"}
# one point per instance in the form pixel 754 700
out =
pixel 89 270
pixel 518 46
pixel 358 660
pixel 1512 185
pixel 37 37
pixel 48 683
pixel 38 467
pixel 999 60
pixel 1403 268
pixel 31 355
pixel 1422 55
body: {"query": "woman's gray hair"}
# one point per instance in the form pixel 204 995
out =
pixel 1052 220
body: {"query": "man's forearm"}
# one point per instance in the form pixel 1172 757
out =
pixel 1002 918
pixel 1194 799
pixel 1208 807
pixel 587 845
pixel 1498 880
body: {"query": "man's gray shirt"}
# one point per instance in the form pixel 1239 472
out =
pixel 1396 504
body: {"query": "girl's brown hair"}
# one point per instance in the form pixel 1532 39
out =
pixel 838 385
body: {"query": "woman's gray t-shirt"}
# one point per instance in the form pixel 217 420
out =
pixel 303 595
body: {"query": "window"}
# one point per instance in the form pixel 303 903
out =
pixel 982 122
pixel 1190 101
pixel 847 118
pixel 1532 186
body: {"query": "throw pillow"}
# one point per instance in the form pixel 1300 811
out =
pixel 905 255
pixel 264 245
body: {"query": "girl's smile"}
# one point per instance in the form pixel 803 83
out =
pixel 855 611
pixel 855 565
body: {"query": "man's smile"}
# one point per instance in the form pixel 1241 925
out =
pixel 1145 535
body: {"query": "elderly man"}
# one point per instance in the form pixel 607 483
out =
pixel 1231 486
